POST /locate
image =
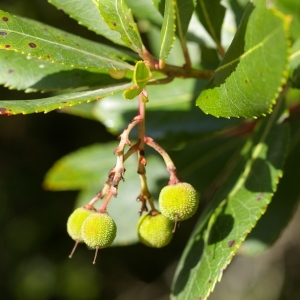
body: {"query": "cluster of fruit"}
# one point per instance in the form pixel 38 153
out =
pixel 97 229
pixel 178 200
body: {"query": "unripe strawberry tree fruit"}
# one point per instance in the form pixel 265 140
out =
pixel 155 230
pixel 178 201
pixel 75 221
pixel 99 230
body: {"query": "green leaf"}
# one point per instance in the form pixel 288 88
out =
pixel 141 76
pixel 167 33
pixel 46 43
pixel 81 169
pixel 292 8
pixel 31 74
pixel 86 12
pixel 284 202
pixel 234 209
pixel 211 14
pixel 295 65
pixel 184 9
pixel 13 107
pixel 243 85
pixel 87 168
pixel 118 17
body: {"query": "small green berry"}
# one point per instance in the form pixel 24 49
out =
pixel 75 221
pixel 98 231
pixel 155 230
pixel 74 224
pixel 178 201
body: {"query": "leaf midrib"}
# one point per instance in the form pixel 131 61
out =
pixel 121 15
pixel 249 51
pixel 67 47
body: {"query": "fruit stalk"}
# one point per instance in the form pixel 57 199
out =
pixel 168 161
pixel 145 194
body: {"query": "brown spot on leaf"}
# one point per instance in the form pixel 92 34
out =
pixel 246 81
pixel 114 23
pixel 7 46
pixel 231 243
pixel 10 71
pixel 3 33
pixel 32 45
pixel 4 111
pixel 259 197
pixel 5 19
pixel 48 56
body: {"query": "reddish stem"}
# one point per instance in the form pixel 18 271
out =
pixel 106 201
pixel 168 161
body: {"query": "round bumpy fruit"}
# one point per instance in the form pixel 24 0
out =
pixel 99 230
pixel 155 230
pixel 178 201
pixel 76 220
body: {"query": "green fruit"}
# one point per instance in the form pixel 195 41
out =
pixel 99 230
pixel 75 221
pixel 155 230
pixel 178 201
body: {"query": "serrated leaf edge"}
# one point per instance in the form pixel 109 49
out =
pixel 240 182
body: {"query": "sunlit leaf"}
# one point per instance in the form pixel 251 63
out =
pixel 141 76
pixel 246 84
pixel 13 107
pixel 167 34
pixel 54 45
pixel 21 72
pixel 118 17
pixel 86 12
